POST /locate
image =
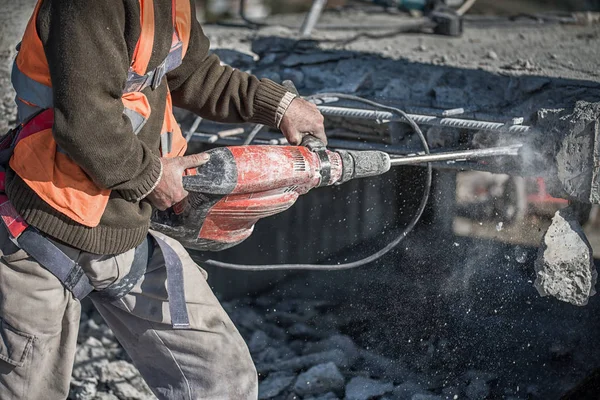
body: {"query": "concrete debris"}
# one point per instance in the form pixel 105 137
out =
pixel 274 384
pixel 361 388
pixel 258 342
pixel 320 379
pixel 326 396
pixel 420 396
pixel 407 390
pixel 340 342
pixel 298 363
pixel 565 267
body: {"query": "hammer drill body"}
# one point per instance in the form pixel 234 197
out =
pixel 242 184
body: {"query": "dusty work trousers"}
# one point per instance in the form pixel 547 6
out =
pixel 40 319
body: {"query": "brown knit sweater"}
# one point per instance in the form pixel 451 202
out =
pixel 89 47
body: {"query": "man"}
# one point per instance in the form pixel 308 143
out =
pixel 97 148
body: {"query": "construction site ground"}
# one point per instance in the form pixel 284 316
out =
pixel 442 317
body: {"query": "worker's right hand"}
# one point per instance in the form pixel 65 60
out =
pixel 169 190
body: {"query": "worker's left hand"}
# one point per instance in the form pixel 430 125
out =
pixel 302 118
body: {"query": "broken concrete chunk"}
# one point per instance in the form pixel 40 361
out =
pixel 565 267
pixel 319 379
pixel 341 342
pixel 84 389
pixel 274 384
pixel 420 396
pixel 407 390
pixel 361 388
pixel 298 363
pixel 258 342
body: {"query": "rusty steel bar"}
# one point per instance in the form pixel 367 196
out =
pixel 383 116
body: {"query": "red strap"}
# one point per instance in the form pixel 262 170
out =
pixel 14 223
pixel 40 122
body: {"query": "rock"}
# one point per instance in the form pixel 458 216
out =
pixel 360 388
pixel 382 367
pixel 326 396
pixel 274 384
pixel 294 60
pixel 298 363
pixel 258 342
pixel 420 396
pixel 450 97
pixel 236 58
pixel 565 268
pixel 341 342
pixel 272 75
pixel 105 396
pixel 397 89
pixel 117 371
pixel 294 75
pixel 126 391
pixel 477 390
pixel 492 55
pixel 407 390
pixel 84 389
pixel 319 379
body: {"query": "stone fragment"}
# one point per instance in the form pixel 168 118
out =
pixel 319 379
pixel 274 385
pixel 298 363
pixel 294 75
pixel 341 342
pixel 294 60
pixel 492 55
pixel 382 367
pixel 84 389
pixel 420 396
pixel 258 342
pixel 406 390
pixel 236 58
pixel 105 396
pixel 565 268
pixel 361 388
pixel 326 396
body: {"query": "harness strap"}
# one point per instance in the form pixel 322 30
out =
pixel 141 258
pixel 175 287
pixel 54 260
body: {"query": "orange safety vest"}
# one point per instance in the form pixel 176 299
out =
pixel 37 159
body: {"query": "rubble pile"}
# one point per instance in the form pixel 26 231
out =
pixel 299 351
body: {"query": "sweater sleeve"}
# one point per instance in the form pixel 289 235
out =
pixel 219 92
pixel 88 57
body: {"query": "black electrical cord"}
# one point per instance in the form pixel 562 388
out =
pixel 374 256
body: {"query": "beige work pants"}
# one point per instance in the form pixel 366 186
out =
pixel 39 321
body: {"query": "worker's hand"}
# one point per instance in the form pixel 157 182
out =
pixel 169 190
pixel 302 118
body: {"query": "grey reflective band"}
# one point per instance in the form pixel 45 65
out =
pixel 137 120
pixel 30 90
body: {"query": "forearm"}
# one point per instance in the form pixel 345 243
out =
pixel 221 93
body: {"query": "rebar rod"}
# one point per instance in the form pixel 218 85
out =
pixel 456 155
pixel 383 116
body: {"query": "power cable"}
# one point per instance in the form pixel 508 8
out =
pixel 375 256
